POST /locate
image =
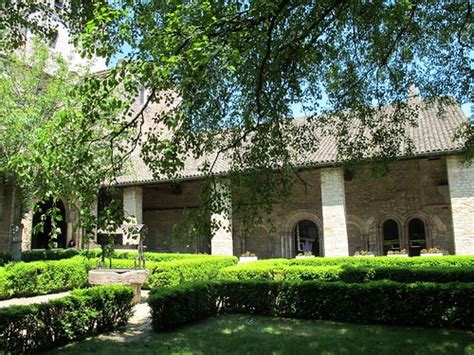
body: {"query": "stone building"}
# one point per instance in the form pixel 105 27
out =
pixel 426 201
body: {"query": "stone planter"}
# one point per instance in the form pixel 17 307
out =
pixel 431 254
pixel 304 256
pixel 130 277
pixel 247 259
pixel 397 255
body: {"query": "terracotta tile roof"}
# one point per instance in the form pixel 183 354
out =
pixel 433 135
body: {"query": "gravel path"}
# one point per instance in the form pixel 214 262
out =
pixel 30 300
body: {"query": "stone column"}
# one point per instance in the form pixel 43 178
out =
pixel 461 191
pixel 334 212
pixel 133 204
pixel 221 242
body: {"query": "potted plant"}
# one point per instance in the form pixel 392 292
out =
pixel 306 254
pixel 363 253
pixel 431 252
pixel 247 257
pixel 397 253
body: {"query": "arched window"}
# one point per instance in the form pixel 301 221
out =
pixel 391 236
pixel 416 236
pixel 306 237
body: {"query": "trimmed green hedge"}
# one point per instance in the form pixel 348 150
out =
pixel 48 254
pixel 149 256
pixel 42 277
pixel 77 316
pixel 173 273
pixel 386 302
pixel 347 273
pixel 449 260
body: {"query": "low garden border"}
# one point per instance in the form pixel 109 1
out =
pixel 449 305
pixel 81 314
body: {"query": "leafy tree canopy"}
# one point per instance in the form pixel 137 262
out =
pixel 230 73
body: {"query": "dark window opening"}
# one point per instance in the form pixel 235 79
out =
pixel 306 238
pixel 41 239
pixel 391 236
pixel 416 236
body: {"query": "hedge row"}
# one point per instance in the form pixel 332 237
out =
pixel 175 272
pixel 48 254
pixel 81 314
pixel 149 256
pixel 386 302
pixel 349 273
pixel 43 277
pixel 449 260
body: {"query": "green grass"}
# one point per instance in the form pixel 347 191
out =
pixel 246 334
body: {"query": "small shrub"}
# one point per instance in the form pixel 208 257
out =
pixel 77 316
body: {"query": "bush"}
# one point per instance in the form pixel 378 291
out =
pixel 386 302
pixel 48 254
pixel 347 273
pixel 77 316
pixel 450 260
pixel 149 256
pixel 5 257
pixel 172 273
pixel 176 306
pixel 42 277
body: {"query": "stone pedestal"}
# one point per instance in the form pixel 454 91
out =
pixel 133 278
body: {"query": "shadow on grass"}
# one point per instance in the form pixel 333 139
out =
pixel 247 334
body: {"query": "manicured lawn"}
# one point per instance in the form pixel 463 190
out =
pixel 246 334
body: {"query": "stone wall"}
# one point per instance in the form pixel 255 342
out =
pixel 163 207
pixel 413 189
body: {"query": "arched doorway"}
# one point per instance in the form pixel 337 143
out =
pixel 391 236
pixel 40 239
pixel 416 236
pixel 306 237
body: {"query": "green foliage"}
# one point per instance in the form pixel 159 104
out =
pixel 172 273
pixel 49 254
pixel 386 302
pixel 240 68
pixel 77 316
pixel 42 277
pixel 149 256
pixel 450 260
pixel 5 257
pixel 181 305
pixel 48 148
pixel 348 273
